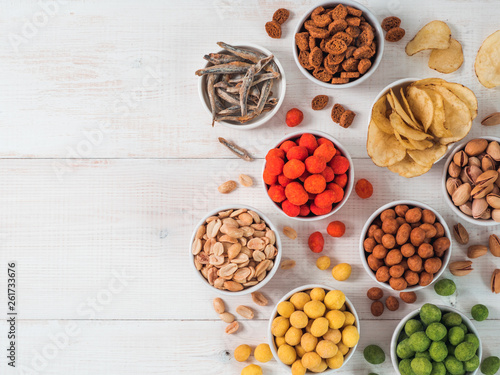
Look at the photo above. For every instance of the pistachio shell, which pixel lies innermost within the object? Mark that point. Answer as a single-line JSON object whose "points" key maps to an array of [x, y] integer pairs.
{"points": [[474, 161], [461, 234], [461, 194], [495, 281], [480, 191], [490, 120], [473, 172], [476, 146], [461, 268], [486, 178], [487, 163], [454, 170], [494, 243], [452, 184], [493, 200], [495, 215], [460, 158], [466, 208], [479, 206], [493, 150]]}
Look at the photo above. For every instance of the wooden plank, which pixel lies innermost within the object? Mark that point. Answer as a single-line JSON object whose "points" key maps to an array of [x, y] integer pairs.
{"points": [[116, 79], [72, 234]]}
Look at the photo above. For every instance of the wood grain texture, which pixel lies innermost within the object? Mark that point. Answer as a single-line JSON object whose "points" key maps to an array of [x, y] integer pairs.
{"points": [[108, 160]]}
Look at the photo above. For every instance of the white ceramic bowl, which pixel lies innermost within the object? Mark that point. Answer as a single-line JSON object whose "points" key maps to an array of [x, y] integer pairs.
{"points": [[270, 274], [286, 297], [379, 39], [447, 197], [347, 189], [278, 89], [439, 218], [396, 86], [445, 309]]}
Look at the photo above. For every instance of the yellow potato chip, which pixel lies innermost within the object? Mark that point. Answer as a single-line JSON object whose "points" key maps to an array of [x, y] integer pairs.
{"points": [[438, 126], [457, 115], [408, 168], [487, 65], [447, 60], [422, 106], [404, 141], [402, 128], [435, 35], [384, 149], [408, 109], [378, 115], [421, 145], [429, 156], [396, 106]]}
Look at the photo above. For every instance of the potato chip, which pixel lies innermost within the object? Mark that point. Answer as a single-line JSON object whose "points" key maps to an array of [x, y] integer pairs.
{"points": [[435, 35], [464, 93], [396, 106], [408, 168], [438, 126], [487, 65], [421, 145], [447, 60], [422, 106], [457, 115], [384, 149], [408, 109], [378, 115], [402, 128], [404, 141], [429, 156]]}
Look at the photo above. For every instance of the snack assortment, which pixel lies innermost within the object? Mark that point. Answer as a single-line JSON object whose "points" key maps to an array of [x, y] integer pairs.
{"points": [[234, 249], [416, 123], [405, 246], [306, 176], [473, 182], [437, 342], [336, 45], [314, 330]]}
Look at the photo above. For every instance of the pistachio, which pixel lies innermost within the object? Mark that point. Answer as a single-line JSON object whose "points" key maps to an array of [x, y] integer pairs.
{"points": [[493, 150], [496, 189], [474, 161], [476, 251], [476, 146], [481, 191], [486, 215], [461, 234], [487, 163], [494, 243], [461, 268], [460, 158], [487, 178], [452, 184], [495, 281], [466, 208], [479, 206], [461, 194], [454, 170], [490, 120], [495, 215], [472, 172]]}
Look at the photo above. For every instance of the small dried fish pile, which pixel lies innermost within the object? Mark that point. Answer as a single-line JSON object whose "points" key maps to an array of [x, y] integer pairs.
{"points": [[239, 83]]}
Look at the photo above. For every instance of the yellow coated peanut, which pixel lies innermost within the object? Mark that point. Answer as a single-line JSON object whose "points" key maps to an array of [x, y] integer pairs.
{"points": [[279, 326], [321, 367], [300, 351], [287, 354], [334, 335], [311, 360], [343, 348], [319, 327], [285, 309], [336, 318], [299, 319], [242, 352], [336, 361], [314, 309], [350, 336], [317, 294], [323, 262], [326, 349], [308, 342], [262, 353], [298, 368], [293, 336], [341, 272], [252, 370], [334, 299], [280, 341], [299, 300], [349, 319]]}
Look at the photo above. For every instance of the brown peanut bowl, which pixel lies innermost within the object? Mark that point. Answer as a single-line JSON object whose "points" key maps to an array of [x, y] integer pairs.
{"points": [[405, 246]]}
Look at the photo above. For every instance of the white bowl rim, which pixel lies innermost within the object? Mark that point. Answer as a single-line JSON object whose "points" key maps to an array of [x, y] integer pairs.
{"points": [[391, 205], [399, 328], [350, 182], [380, 48], [265, 117], [302, 288], [277, 260], [447, 198]]}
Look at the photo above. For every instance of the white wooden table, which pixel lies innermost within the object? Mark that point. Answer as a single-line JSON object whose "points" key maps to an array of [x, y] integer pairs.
{"points": [[108, 160]]}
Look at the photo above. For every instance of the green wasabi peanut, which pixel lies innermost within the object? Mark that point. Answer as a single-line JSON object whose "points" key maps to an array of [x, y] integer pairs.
{"points": [[438, 368], [424, 355], [436, 331], [403, 349], [419, 342], [470, 337], [464, 327], [479, 312], [454, 366], [452, 319], [465, 351], [405, 367], [445, 287], [490, 365], [374, 354], [421, 366], [430, 313], [438, 351], [472, 364], [413, 326], [456, 335]]}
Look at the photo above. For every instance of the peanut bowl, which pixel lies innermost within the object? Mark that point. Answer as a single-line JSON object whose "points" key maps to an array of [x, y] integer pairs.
{"points": [[450, 318], [334, 80], [319, 318], [278, 89], [485, 209], [302, 149], [235, 250], [405, 246]]}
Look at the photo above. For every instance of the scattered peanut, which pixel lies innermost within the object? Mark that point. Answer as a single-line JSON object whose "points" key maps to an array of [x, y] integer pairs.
{"points": [[227, 317], [287, 264], [245, 311], [245, 180], [227, 187], [219, 306], [232, 328], [290, 233], [259, 299]]}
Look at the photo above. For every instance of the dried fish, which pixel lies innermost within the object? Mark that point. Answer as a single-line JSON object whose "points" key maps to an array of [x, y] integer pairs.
{"points": [[224, 95], [229, 68], [238, 151], [247, 54], [211, 95], [258, 78], [245, 88], [222, 58]]}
